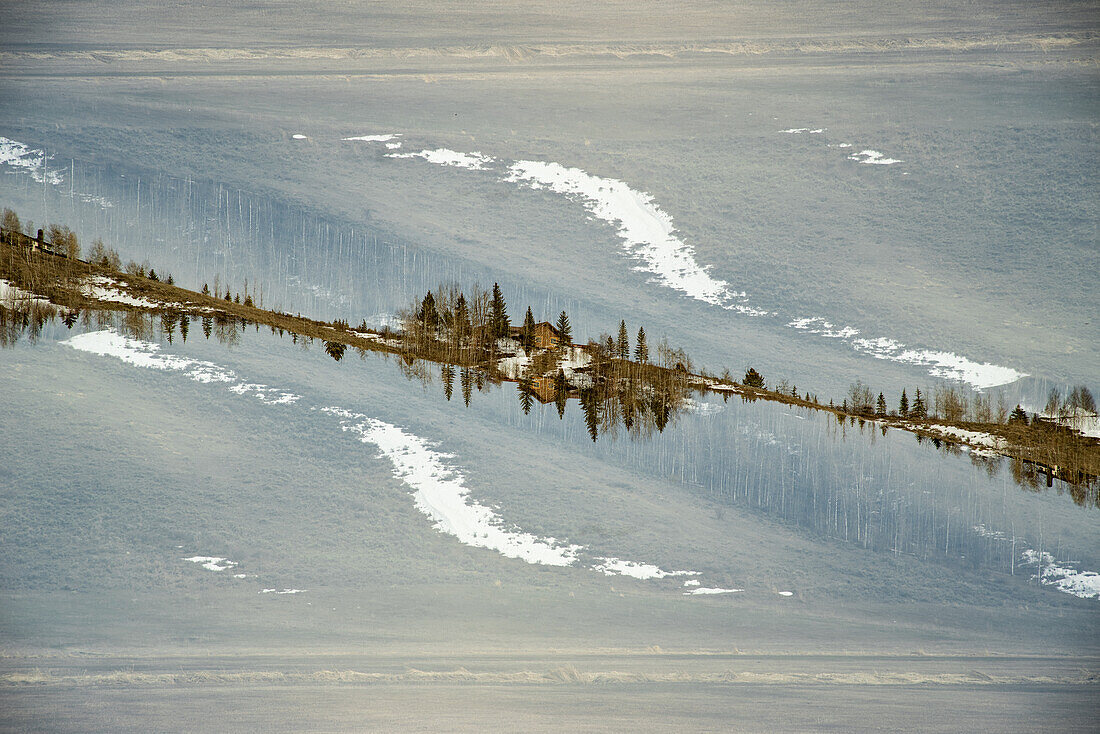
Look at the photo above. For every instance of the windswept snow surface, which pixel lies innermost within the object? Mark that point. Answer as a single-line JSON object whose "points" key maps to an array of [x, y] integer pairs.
{"points": [[710, 590], [439, 488], [31, 160], [474, 161], [801, 130]]}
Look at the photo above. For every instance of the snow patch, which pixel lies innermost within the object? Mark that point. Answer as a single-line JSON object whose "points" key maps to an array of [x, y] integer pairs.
{"points": [[948, 365], [108, 343], [31, 160], [440, 493], [981, 438], [699, 407], [101, 288], [266, 395], [283, 591], [375, 138], [873, 157], [711, 590], [212, 563], [299, 136], [643, 571], [786, 593], [647, 232], [801, 130], [1065, 578], [14, 297], [474, 161]]}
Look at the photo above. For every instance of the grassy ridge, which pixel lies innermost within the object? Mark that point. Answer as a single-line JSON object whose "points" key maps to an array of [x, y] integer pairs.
{"points": [[1041, 451]]}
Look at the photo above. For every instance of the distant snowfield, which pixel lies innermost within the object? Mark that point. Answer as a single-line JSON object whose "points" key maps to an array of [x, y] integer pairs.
{"points": [[439, 488], [649, 237]]}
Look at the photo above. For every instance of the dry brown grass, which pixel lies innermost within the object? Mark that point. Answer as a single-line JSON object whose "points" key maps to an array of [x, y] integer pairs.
{"points": [[1043, 448]]}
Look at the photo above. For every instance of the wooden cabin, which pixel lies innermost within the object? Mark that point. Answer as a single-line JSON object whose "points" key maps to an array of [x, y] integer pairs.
{"points": [[546, 335]]}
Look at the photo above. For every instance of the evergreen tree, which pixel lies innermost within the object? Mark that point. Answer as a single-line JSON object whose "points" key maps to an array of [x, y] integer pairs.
{"points": [[564, 329], [462, 318], [205, 289], [228, 295], [903, 405], [661, 412], [880, 406], [591, 412], [561, 392], [153, 274], [754, 379], [207, 326], [526, 393], [448, 373], [428, 316], [919, 411], [498, 314], [185, 324], [528, 330], [168, 325], [467, 380], [623, 347], [335, 350], [169, 280], [641, 351], [1019, 415]]}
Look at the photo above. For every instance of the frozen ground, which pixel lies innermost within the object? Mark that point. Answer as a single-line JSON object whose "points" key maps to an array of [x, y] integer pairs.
{"points": [[898, 189]]}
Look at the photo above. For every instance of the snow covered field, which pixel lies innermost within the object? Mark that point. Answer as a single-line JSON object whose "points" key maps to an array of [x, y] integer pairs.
{"points": [[901, 193]]}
